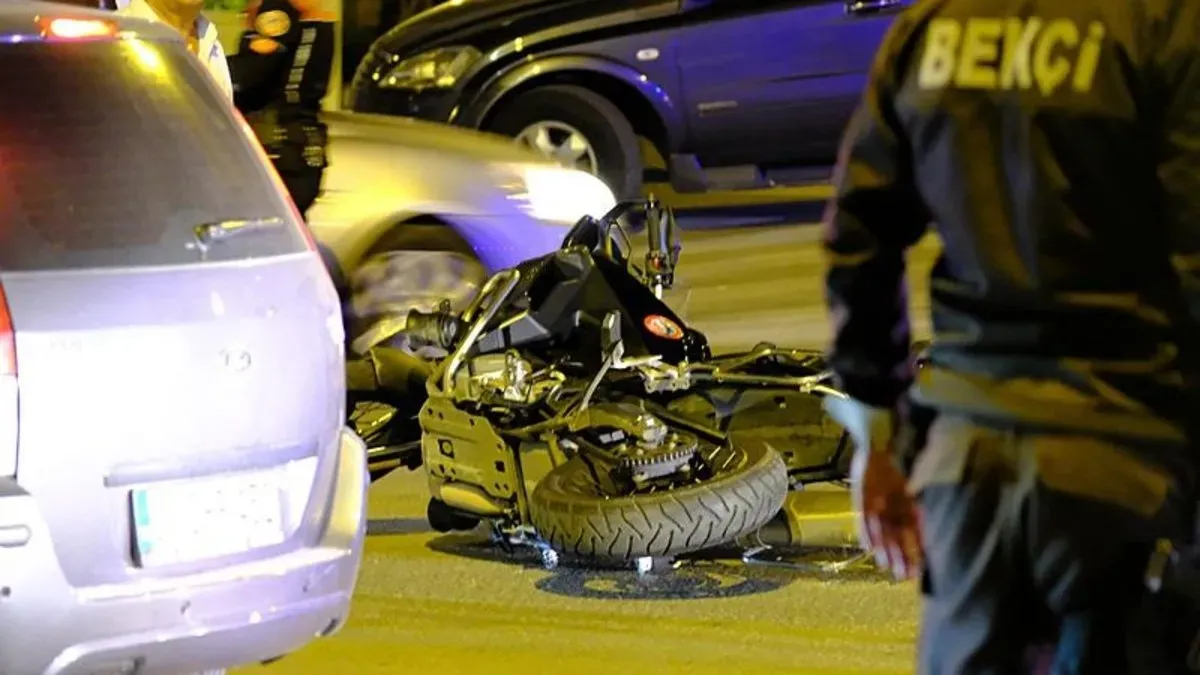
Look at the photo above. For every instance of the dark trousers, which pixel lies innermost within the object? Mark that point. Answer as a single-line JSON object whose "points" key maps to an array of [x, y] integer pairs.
{"points": [[304, 185], [1036, 538]]}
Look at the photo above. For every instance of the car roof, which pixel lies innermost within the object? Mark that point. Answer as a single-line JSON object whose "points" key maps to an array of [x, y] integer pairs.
{"points": [[19, 18]]}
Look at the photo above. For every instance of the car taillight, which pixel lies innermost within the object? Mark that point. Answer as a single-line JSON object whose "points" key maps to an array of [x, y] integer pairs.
{"points": [[8, 343], [8, 391]]}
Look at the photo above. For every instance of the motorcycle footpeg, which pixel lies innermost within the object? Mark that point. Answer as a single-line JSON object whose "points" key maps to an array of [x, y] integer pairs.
{"points": [[655, 565]]}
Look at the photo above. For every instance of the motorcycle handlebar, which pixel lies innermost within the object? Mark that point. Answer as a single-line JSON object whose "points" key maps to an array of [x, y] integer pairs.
{"points": [[482, 310], [663, 246], [437, 329]]}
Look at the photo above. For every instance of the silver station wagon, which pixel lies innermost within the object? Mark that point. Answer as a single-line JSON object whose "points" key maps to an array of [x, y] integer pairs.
{"points": [[178, 493]]}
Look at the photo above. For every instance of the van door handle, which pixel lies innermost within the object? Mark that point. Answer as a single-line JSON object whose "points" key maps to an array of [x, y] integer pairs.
{"points": [[869, 6]]}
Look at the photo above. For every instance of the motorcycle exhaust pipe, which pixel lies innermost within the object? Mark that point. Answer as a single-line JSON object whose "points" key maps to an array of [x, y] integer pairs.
{"points": [[469, 499]]}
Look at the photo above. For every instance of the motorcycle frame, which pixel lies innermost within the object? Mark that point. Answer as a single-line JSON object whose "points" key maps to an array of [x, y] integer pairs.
{"points": [[832, 471], [497, 464], [718, 371]]}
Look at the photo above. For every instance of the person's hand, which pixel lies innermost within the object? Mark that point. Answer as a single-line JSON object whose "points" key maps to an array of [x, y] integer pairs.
{"points": [[889, 523], [250, 14]]}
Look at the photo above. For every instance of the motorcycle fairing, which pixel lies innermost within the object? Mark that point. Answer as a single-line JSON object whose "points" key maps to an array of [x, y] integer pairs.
{"points": [[561, 303]]}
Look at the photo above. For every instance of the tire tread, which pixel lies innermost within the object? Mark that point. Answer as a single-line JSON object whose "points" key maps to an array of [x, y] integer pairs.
{"points": [[662, 524], [618, 140]]}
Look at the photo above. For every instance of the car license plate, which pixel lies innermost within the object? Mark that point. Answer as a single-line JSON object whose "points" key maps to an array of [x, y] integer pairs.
{"points": [[193, 520]]}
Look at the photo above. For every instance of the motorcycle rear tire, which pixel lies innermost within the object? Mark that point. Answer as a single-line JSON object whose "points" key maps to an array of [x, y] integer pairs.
{"points": [[658, 524]]}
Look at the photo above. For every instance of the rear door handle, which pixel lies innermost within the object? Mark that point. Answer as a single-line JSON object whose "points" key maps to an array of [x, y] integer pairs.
{"points": [[870, 6]]}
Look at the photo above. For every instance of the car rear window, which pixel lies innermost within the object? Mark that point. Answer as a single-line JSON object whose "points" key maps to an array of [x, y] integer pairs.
{"points": [[111, 153]]}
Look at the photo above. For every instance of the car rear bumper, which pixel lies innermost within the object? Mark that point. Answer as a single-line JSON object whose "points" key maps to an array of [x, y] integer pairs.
{"points": [[241, 614]]}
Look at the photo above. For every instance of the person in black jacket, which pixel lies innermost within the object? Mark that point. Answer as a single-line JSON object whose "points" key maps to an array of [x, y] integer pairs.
{"points": [[1054, 147], [280, 74]]}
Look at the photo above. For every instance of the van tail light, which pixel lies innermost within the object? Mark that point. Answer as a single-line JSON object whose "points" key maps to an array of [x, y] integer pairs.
{"points": [[77, 29], [8, 341], [8, 391]]}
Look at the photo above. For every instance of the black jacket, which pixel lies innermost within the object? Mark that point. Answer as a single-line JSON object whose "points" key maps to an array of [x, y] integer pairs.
{"points": [[280, 74], [1054, 146]]}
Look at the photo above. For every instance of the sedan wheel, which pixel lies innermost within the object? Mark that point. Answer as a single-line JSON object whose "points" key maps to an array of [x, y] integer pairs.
{"points": [[578, 128], [390, 284], [562, 143]]}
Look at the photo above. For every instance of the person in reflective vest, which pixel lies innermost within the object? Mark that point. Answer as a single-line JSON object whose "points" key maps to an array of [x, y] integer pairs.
{"points": [[200, 33], [280, 74]]}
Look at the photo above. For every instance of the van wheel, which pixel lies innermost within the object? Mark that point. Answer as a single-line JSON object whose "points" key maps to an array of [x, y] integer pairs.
{"points": [[579, 129], [415, 266]]}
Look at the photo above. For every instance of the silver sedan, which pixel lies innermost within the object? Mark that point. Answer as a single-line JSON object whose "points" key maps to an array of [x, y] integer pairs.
{"points": [[417, 213]]}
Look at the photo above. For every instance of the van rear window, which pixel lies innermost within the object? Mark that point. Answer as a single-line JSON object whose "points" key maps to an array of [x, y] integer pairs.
{"points": [[112, 153]]}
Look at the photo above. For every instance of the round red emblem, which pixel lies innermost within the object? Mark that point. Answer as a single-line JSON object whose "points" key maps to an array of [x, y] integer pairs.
{"points": [[663, 327]]}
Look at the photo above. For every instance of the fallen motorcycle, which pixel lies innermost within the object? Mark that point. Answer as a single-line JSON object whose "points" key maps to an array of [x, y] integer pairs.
{"points": [[578, 414]]}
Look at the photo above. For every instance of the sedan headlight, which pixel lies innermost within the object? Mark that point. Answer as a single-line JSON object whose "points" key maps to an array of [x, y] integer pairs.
{"points": [[557, 194], [434, 69]]}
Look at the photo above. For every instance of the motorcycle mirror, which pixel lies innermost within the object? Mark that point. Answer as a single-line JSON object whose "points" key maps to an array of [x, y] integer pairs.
{"points": [[584, 232], [671, 236], [662, 253], [588, 229], [610, 331], [656, 228]]}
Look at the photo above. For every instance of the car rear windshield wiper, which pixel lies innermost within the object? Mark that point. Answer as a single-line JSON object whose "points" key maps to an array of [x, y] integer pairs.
{"points": [[207, 233]]}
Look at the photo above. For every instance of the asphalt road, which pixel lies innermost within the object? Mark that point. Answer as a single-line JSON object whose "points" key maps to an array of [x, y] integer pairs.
{"points": [[744, 286], [430, 603]]}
